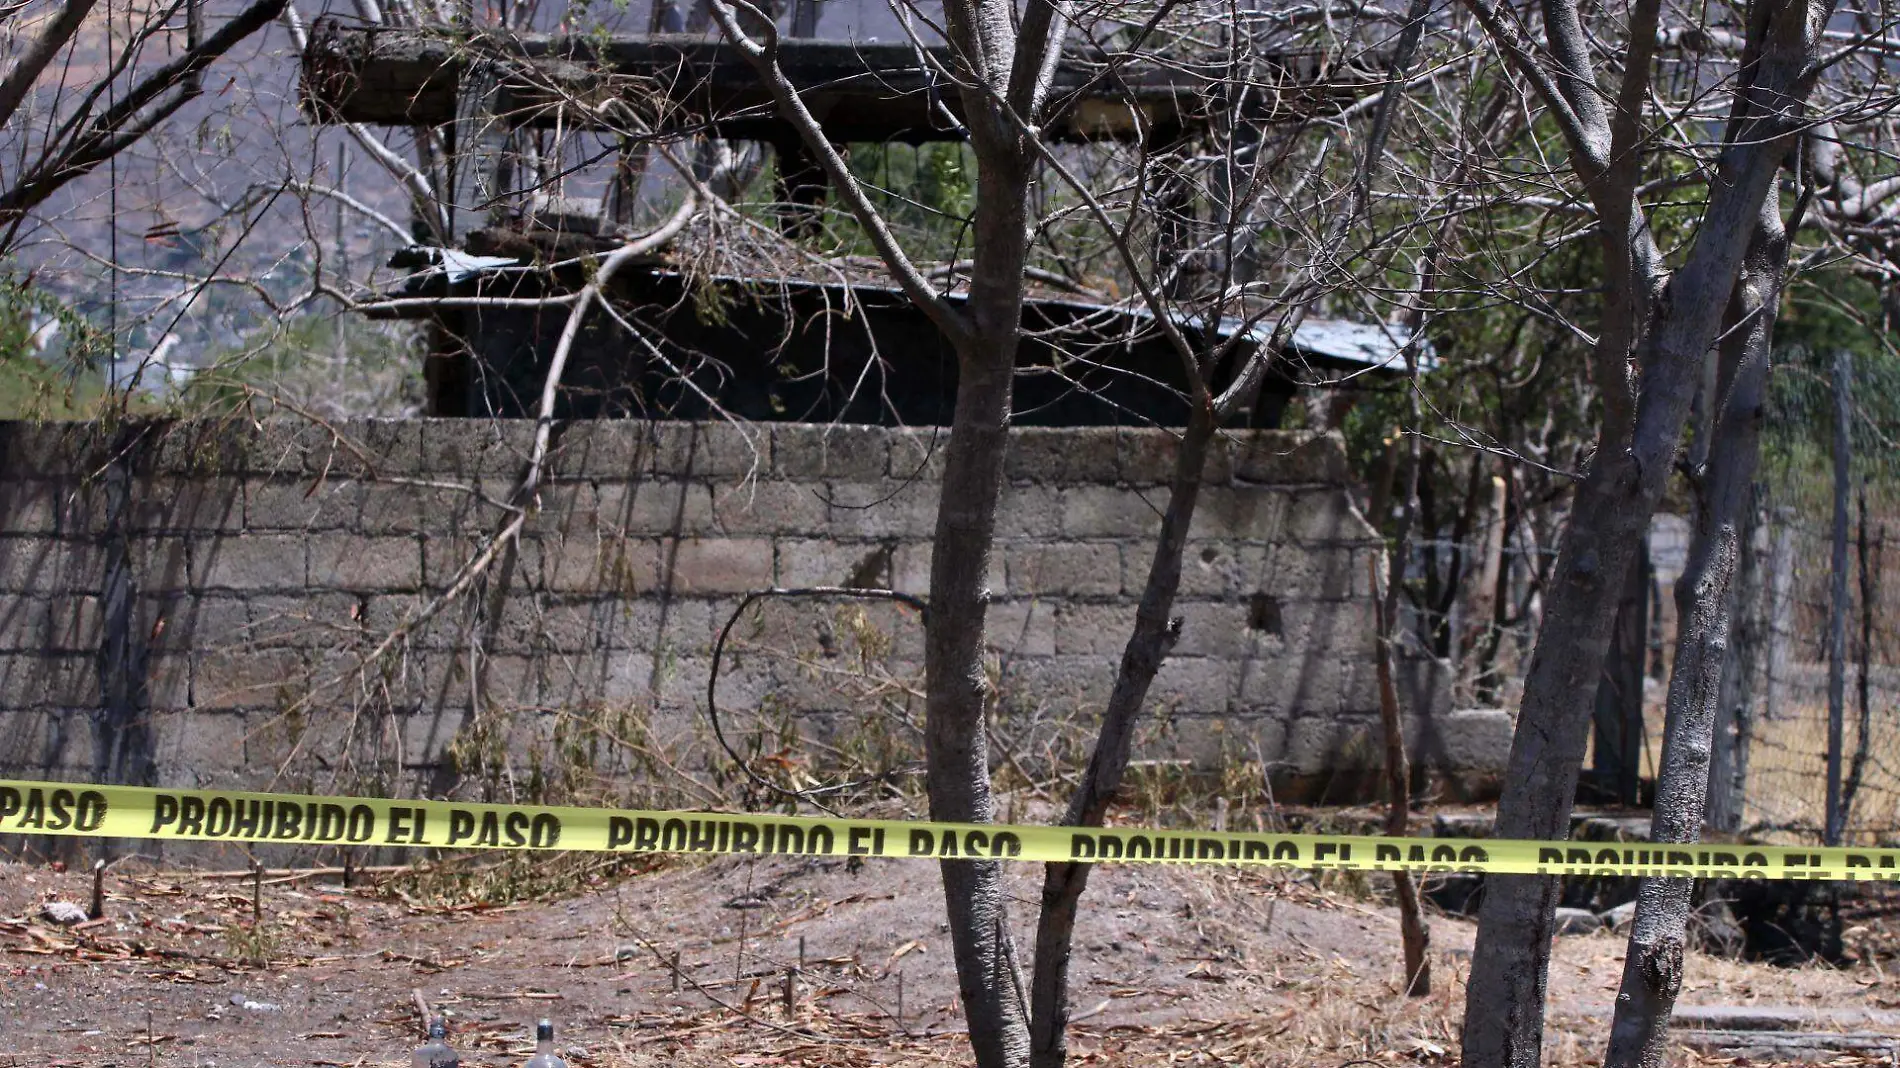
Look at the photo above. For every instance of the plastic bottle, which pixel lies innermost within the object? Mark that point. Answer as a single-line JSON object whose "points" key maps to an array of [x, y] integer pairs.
{"points": [[436, 1053], [544, 1056]]}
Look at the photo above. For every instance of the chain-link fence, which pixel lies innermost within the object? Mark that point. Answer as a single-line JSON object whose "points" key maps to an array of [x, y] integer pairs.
{"points": [[1475, 582], [1816, 645]]}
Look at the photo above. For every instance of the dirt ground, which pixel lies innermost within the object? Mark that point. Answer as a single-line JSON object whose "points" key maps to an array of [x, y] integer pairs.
{"points": [[1174, 965]]}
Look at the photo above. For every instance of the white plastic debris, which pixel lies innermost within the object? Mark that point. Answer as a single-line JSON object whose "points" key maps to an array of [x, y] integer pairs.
{"points": [[63, 913]]}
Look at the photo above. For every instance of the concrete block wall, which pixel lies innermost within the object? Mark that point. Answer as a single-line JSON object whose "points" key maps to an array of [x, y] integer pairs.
{"points": [[259, 563]]}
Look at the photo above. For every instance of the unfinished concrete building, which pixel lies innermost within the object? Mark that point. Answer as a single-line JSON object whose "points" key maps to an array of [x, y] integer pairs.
{"points": [[192, 604]]}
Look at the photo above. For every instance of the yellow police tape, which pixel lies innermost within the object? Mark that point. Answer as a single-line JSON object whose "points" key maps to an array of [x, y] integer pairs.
{"points": [[48, 808]]}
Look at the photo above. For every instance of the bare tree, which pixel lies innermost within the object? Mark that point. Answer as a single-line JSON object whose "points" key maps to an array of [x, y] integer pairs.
{"points": [[1003, 71], [62, 126], [1656, 324]]}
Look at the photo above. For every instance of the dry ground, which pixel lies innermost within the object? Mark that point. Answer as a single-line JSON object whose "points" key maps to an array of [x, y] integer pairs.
{"points": [[1175, 965]]}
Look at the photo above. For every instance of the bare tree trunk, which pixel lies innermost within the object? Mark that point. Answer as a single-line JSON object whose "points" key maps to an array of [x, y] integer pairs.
{"points": [[1414, 934], [1616, 763], [1652, 969], [1837, 598], [1610, 513], [956, 742], [1734, 725], [1609, 518], [1153, 637]]}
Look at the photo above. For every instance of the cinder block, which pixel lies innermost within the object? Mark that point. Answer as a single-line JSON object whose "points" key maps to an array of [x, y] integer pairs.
{"points": [[353, 448], [1465, 739], [579, 684], [885, 508], [823, 562], [444, 556], [1192, 684], [813, 452], [249, 562], [279, 504], [476, 448], [160, 564], [507, 681], [1317, 744], [27, 625], [917, 453], [314, 620], [680, 682], [357, 563], [1071, 569], [1287, 569], [1223, 741], [626, 567], [567, 509], [40, 742], [1147, 457], [38, 680], [186, 506], [196, 448], [664, 626], [1110, 512], [533, 625], [200, 740], [708, 450], [168, 681], [55, 450], [34, 507], [1290, 457], [1065, 455], [1020, 628], [1061, 683], [1092, 629], [1222, 629], [1030, 510], [374, 448], [700, 566], [1328, 517], [181, 622], [655, 508], [1242, 513], [425, 736], [248, 678], [49, 566], [774, 506], [1347, 628], [370, 507], [1424, 685]]}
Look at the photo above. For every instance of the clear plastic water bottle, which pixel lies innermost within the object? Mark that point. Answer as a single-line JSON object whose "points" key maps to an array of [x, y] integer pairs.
{"points": [[544, 1056], [436, 1053]]}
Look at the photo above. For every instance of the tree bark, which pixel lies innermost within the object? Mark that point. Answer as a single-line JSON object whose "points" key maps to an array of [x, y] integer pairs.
{"points": [[1415, 935], [1617, 760], [1148, 645], [1734, 724], [1652, 970], [956, 741], [1609, 517]]}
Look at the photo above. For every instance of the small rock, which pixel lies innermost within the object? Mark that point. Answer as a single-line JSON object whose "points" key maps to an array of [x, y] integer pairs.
{"points": [[1621, 916], [1577, 922], [63, 913]]}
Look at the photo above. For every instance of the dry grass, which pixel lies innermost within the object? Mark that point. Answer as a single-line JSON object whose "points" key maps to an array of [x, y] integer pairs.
{"points": [[1788, 766]]}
